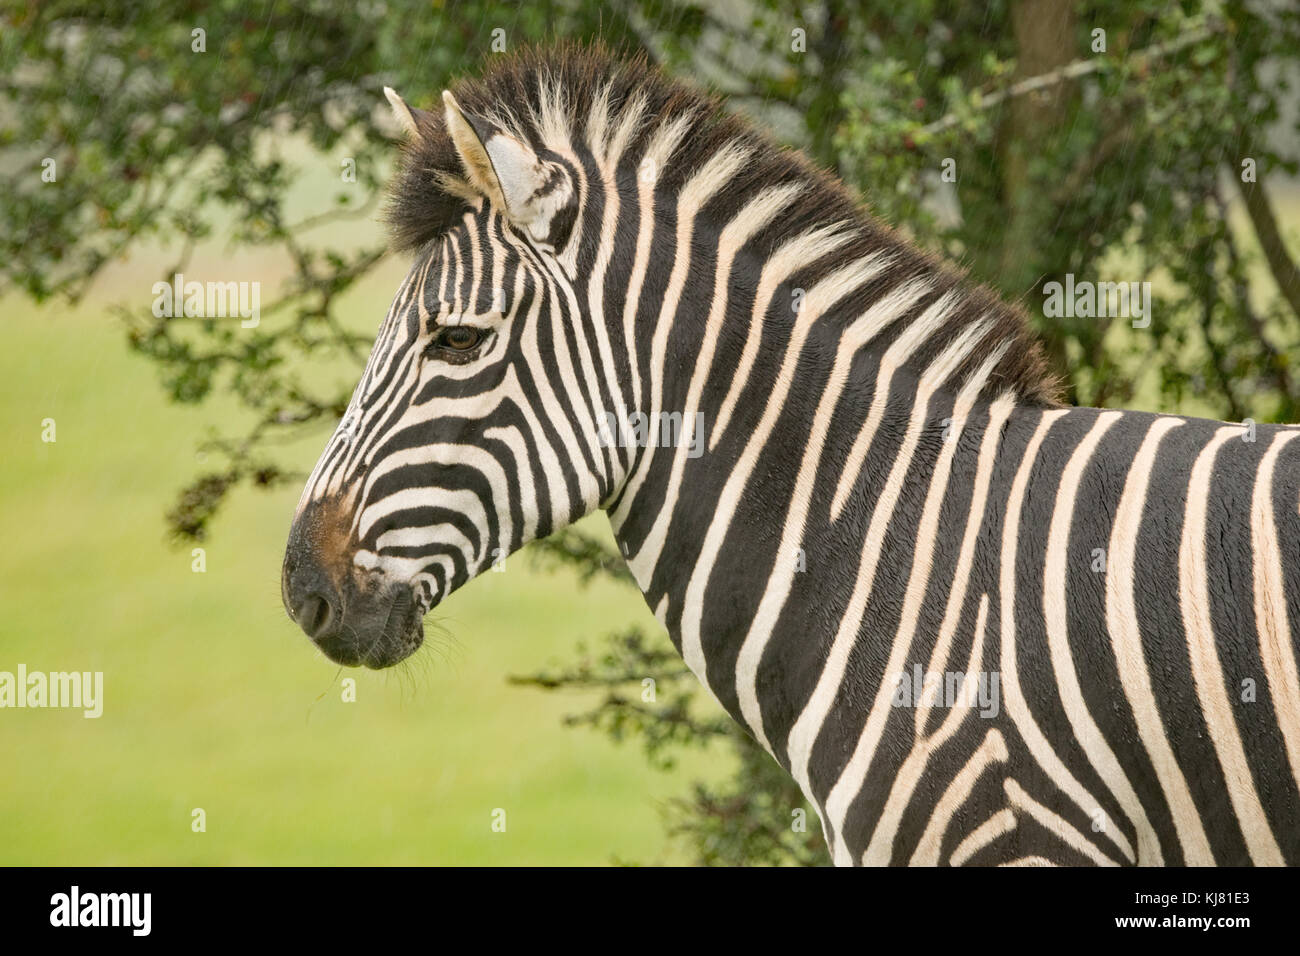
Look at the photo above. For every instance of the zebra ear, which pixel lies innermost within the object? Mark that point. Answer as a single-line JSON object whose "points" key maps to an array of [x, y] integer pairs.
{"points": [[407, 117], [527, 188]]}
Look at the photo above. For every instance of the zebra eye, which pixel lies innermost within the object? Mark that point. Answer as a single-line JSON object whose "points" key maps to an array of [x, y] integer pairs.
{"points": [[458, 338]]}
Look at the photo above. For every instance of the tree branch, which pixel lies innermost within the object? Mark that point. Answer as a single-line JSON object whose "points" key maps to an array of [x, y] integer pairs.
{"points": [[1279, 260], [1078, 68]]}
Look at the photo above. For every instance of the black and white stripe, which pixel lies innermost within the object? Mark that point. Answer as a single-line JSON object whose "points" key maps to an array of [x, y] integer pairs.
{"points": [[887, 482]]}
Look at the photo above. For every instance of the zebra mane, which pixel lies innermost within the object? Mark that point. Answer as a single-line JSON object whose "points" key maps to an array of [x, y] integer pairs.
{"points": [[581, 93]]}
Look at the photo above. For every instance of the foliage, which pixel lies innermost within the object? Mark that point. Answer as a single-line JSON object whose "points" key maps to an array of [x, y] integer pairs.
{"points": [[757, 815], [1119, 164], [1132, 155]]}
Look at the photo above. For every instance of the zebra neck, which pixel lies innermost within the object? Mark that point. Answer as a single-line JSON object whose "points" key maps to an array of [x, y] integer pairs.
{"points": [[777, 373], [793, 462]]}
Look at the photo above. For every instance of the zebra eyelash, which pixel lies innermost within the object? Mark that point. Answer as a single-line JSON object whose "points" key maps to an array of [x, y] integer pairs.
{"points": [[439, 348]]}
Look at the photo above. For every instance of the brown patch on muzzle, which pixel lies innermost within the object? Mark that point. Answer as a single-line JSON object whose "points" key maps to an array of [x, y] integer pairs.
{"points": [[354, 617], [321, 537]]}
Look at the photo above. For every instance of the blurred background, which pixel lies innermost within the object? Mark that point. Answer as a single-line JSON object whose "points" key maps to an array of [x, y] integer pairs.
{"points": [[151, 464]]}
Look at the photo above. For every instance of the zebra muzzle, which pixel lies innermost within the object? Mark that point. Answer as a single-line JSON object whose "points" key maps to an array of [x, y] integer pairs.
{"points": [[356, 618]]}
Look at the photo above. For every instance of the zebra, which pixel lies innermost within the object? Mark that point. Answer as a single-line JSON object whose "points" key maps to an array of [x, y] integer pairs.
{"points": [[975, 625]]}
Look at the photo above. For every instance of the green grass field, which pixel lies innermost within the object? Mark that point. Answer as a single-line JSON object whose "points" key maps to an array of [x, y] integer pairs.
{"points": [[214, 700]]}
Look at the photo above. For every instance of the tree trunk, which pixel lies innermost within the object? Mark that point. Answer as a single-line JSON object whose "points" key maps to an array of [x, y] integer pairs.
{"points": [[1045, 41]]}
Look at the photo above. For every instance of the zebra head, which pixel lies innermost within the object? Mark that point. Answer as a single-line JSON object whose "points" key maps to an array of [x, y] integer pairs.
{"points": [[449, 455]]}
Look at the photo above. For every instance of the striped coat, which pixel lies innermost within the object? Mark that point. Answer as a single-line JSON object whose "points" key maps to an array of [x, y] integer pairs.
{"points": [[975, 626]]}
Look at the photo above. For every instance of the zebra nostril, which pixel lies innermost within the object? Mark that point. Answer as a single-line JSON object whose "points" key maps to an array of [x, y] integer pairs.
{"points": [[316, 615]]}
